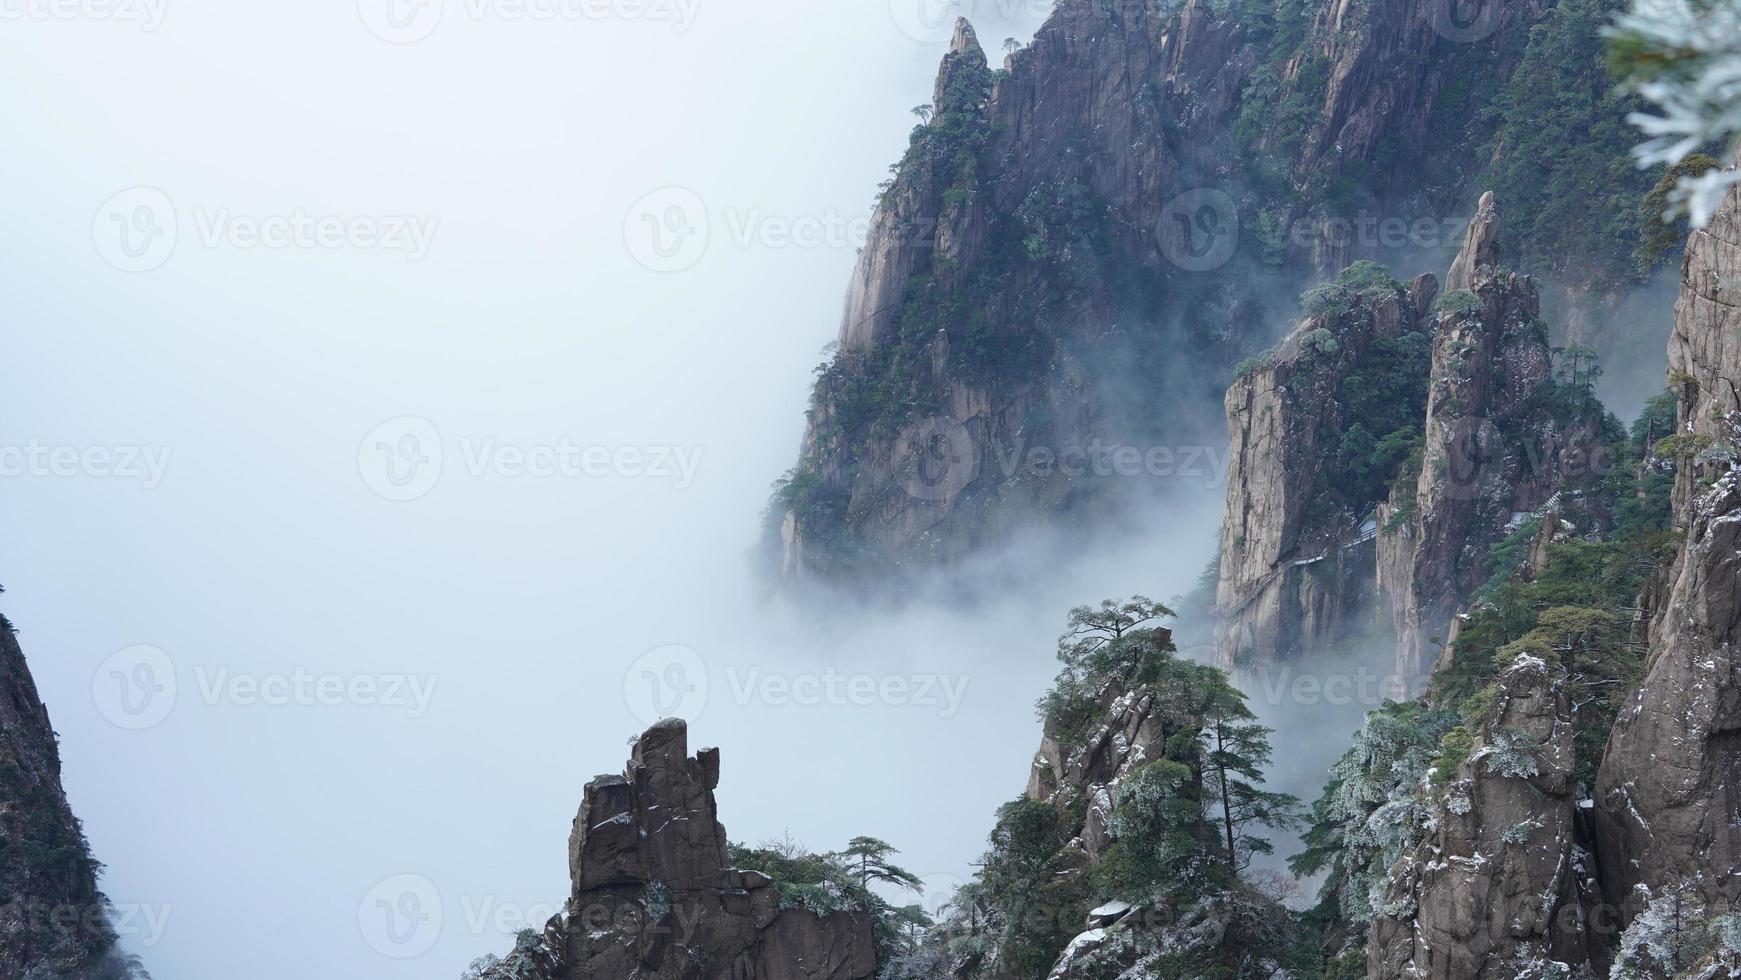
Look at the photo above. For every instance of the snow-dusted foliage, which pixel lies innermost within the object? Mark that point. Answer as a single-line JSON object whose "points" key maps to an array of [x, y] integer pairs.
{"points": [[1677, 937], [1513, 754], [656, 900], [924, 963], [1686, 59], [1518, 834], [1533, 963], [1371, 808], [526, 962]]}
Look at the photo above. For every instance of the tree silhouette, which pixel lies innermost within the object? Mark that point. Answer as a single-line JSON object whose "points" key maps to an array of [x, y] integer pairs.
{"points": [[1236, 750], [868, 858]]}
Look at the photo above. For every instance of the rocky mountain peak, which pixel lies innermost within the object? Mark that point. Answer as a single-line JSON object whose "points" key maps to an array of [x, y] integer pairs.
{"points": [[1297, 553], [653, 894], [1076, 226], [965, 56], [964, 40]]}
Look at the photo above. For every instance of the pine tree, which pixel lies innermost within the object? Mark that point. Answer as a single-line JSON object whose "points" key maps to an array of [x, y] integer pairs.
{"points": [[1236, 750], [868, 858], [1682, 55], [1113, 639]]}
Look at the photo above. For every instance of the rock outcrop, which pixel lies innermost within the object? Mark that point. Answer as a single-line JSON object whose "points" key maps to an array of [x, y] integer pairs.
{"points": [[1496, 447], [1669, 793], [653, 895], [1296, 553], [1502, 882], [1479, 256], [1511, 874], [1079, 775], [54, 922]]}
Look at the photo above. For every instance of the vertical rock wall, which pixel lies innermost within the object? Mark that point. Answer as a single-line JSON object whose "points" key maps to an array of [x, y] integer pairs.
{"points": [[1294, 571], [1669, 793], [1501, 884], [1493, 450]]}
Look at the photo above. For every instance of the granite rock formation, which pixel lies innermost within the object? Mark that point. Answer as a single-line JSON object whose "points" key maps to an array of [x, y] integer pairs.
{"points": [[653, 896], [1504, 879], [1495, 451], [1065, 258], [1296, 564], [1669, 793]]}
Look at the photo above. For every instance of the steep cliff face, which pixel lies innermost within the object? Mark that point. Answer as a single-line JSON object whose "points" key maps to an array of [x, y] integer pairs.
{"points": [[1077, 247], [1669, 794], [1352, 465], [1296, 531], [1499, 444], [1499, 881], [1511, 872], [995, 282], [54, 923], [653, 895]]}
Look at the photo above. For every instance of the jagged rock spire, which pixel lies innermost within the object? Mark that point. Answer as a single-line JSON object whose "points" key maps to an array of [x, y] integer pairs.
{"points": [[965, 41], [964, 49], [654, 895], [1480, 247]]}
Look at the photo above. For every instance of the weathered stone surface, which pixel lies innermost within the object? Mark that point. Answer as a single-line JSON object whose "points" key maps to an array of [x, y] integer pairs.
{"points": [[1503, 879], [1479, 256], [653, 897], [1133, 730], [654, 823], [1493, 451], [1080, 774], [1669, 792], [1294, 574]]}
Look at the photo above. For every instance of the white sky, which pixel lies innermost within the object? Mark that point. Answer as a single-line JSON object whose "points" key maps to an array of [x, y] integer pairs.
{"points": [[257, 833]]}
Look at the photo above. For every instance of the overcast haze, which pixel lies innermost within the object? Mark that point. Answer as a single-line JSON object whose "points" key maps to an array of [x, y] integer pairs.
{"points": [[253, 250]]}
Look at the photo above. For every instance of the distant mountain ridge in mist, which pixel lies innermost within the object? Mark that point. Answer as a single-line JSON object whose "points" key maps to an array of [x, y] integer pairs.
{"points": [[1078, 247]]}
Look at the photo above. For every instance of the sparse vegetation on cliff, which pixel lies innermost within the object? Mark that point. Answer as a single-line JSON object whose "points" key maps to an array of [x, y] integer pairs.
{"points": [[1162, 862]]}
